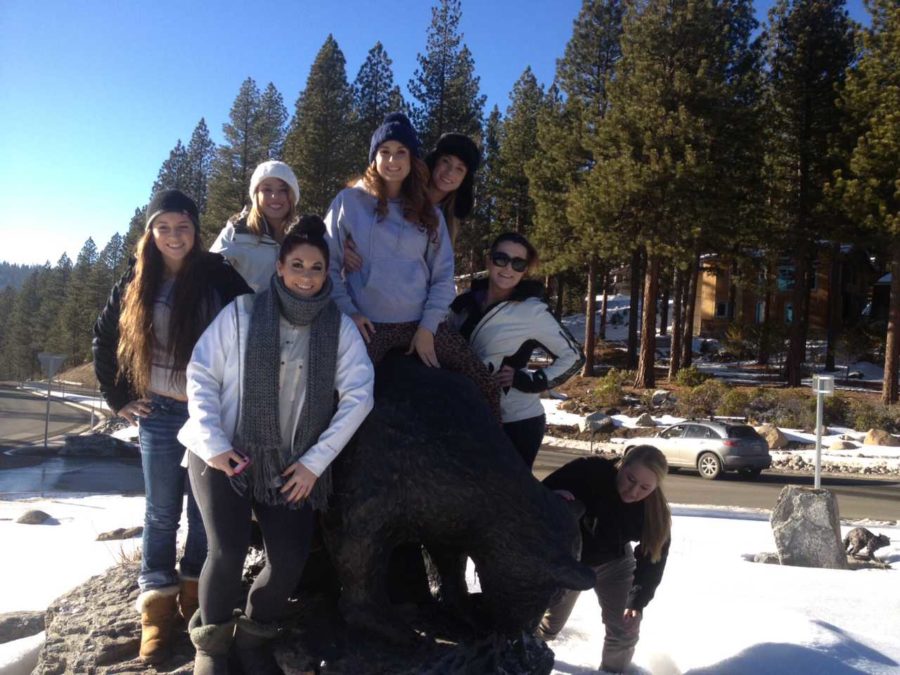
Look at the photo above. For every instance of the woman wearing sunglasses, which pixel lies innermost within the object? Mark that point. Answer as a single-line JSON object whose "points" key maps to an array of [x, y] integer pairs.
{"points": [[505, 319]]}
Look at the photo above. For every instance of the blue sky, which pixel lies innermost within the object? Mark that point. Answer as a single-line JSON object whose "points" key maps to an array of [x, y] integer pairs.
{"points": [[94, 94]]}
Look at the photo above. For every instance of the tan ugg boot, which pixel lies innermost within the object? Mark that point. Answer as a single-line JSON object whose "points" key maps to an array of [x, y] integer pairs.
{"points": [[158, 608], [188, 598]]}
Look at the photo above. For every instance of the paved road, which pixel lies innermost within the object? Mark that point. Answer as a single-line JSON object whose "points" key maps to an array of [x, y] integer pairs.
{"points": [[858, 498], [22, 417]]}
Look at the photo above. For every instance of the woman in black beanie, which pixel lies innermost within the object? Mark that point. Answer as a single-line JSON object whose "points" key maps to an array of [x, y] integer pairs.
{"points": [[453, 164]]}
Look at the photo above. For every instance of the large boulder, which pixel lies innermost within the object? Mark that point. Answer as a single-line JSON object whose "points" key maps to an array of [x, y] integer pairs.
{"points": [[597, 422], [842, 444], [880, 437], [18, 625], [645, 420], [431, 465], [773, 436], [807, 528]]}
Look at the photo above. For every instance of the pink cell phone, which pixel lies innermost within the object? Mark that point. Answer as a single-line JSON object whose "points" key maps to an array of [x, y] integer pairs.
{"points": [[238, 467]]}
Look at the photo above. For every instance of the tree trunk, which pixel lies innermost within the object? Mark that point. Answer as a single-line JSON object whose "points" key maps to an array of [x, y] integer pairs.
{"points": [[687, 340], [560, 288], [589, 316], [603, 303], [677, 320], [633, 314], [889, 390], [646, 377], [792, 365], [832, 312], [763, 353], [664, 302]]}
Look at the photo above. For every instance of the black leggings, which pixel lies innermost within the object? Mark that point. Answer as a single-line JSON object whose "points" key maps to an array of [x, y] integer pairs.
{"points": [[527, 436], [226, 517]]}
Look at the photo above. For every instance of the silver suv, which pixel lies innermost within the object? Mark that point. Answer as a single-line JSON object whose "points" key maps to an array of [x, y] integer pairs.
{"points": [[710, 447]]}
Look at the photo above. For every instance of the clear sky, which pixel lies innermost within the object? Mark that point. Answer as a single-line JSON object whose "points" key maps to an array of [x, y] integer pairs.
{"points": [[95, 93]]}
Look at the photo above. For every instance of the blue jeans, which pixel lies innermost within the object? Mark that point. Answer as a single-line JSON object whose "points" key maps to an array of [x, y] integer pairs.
{"points": [[164, 486]]}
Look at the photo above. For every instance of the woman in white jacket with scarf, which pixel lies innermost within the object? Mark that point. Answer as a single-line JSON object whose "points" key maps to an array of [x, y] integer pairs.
{"points": [[262, 433], [505, 319]]}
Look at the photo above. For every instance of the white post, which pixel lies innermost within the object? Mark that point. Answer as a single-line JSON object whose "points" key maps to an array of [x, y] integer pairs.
{"points": [[820, 400]]}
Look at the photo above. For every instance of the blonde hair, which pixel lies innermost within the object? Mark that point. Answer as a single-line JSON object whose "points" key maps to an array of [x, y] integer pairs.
{"points": [[256, 221], [417, 208], [657, 515]]}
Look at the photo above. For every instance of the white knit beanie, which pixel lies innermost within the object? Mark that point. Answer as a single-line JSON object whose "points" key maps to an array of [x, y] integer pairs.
{"points": [[275, 169]]}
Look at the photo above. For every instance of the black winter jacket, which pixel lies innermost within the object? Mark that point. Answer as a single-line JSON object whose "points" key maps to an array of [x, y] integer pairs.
{"points": [[224, 281], [608, 523]]}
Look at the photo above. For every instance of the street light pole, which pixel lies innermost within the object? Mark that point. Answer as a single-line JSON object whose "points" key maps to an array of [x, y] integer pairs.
{"points": [[823, 385]]}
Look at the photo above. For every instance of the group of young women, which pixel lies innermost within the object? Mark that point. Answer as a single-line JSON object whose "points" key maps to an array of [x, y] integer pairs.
{"points": [[257, 358]]}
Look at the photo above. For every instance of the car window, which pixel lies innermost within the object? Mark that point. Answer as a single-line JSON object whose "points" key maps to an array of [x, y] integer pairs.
{"points": [[673, 432], [696, 431], [742, 431]]}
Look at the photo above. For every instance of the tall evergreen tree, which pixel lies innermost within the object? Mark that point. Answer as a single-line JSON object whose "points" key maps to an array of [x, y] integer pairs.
{"points": [[317, 144], [21, 348], [7, 303], [135, 230], [79, 309], [174, 174], [270, 124], [445, 85], [515, 207], [809, 47], [868, 186], [200, 154], [474, 237], [374, 96], [235, 159]]}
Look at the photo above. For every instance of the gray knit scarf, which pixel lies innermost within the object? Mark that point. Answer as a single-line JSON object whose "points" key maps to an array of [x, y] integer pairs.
{"points": [[259, 431]]}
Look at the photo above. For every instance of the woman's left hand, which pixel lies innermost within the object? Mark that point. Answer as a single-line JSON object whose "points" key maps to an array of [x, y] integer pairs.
{"points": [[423, 345], [632, 619], [299, 482], [504, 377]]}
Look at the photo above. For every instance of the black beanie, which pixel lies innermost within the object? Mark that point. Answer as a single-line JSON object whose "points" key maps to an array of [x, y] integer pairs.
{"points": [[173, 201], [459, 145], [396, 127]]}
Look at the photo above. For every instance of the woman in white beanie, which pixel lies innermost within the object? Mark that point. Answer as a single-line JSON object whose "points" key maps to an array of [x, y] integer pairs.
{"points": [[251, 239]]}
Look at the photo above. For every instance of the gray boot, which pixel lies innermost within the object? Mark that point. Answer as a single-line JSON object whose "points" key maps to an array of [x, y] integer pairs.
{"points": [[253, 644], [213, 643]]}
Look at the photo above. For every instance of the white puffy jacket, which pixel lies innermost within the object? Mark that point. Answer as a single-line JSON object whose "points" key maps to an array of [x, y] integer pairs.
{"points": [[251, 255], [214, 381]]}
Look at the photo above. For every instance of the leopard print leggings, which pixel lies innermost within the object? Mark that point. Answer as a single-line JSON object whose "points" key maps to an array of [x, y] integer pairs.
{"points": [[451, 348]]}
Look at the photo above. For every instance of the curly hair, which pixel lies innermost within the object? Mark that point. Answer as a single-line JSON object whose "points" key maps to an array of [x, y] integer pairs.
{"points": [[417, 208]]}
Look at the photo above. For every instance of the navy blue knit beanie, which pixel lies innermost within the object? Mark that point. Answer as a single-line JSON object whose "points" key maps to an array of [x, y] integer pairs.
{"points": [[173, 201], [396, 127]]}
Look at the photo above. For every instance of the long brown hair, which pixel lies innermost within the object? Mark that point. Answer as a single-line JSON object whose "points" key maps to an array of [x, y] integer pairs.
{"points": [[417, 208], [190, 313], [448, 208], [657, 515]]}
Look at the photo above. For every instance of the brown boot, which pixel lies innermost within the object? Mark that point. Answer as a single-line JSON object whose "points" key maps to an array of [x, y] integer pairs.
{"points": [[188, 599], [158, 609]]}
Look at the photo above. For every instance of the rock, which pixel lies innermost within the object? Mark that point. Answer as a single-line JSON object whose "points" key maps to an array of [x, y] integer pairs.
{"points": [[645, 420], [880, 437], [773, 436], [18, 625], [659, 397], [97, 445], [841, 444], [806, 524], [595, 422], [413, 476], [121, 533], [767, 558], [33, 517]]}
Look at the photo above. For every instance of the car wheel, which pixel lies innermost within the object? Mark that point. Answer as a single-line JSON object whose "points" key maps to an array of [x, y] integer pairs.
{"points": [[709, 466], [752, 474]]}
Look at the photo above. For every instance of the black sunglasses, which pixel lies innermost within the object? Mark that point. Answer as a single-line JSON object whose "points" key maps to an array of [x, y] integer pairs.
{"points": [[501, 259]]}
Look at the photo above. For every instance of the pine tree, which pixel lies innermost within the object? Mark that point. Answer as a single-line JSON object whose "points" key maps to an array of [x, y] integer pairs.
{"points": [[53, 297], [445, 85], [78, 311], [319, 144], [235, 160], [474, 238], [809, 46], [270, 123], [135, 231], [868, 186], [21, 348], [200, 154], [7, 302], [374, 96], [174, 174], [515, 208]]}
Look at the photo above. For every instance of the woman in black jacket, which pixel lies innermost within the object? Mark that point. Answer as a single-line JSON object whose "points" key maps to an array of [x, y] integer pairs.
{"points": [[623, 502], [143, 341]]}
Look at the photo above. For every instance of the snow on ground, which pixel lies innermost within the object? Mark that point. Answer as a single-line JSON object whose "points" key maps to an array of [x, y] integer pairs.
{"points": [[862, 456], [714, 612]]}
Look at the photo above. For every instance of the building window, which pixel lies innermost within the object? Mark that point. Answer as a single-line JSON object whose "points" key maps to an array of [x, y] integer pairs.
{"points": [[787, 277], [789, 312], [760, 311], [722, 310]]}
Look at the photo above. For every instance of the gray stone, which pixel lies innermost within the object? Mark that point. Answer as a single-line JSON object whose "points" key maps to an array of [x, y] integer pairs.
{"points": [[33, 517], [645, 420], [659, 397], [18, 625], [806, 524], [595, 422], [121, 533], [767, 558], [880, 437], [773, 436], [97, 445], [841, 444]]}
